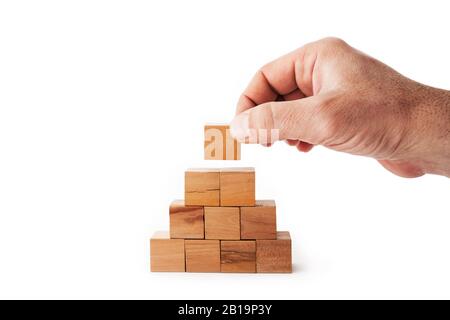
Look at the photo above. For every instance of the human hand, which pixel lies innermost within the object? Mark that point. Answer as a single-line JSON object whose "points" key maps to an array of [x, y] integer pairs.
{"points": [[328, 93]]}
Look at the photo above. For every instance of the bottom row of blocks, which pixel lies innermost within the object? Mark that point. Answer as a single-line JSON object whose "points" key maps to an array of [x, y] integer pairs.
{"points": [[179, 255]]}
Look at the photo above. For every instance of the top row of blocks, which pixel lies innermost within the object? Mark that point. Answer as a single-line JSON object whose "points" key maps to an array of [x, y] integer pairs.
{"points": [[220, 187]]}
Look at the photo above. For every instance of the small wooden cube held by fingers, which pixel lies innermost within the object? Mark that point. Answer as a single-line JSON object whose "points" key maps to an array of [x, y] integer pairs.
{"points": [[219, 144]]}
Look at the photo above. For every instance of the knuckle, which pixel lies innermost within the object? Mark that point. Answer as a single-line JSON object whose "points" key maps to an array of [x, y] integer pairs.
{"points": [[333, 41]]}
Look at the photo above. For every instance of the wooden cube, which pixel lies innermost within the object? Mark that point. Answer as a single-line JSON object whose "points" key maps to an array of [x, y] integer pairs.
{"points": [[186, 222], [202, 187], [260, 221], [238, 256], [237, 187], [166, 254], [274, 256], [222, 223], [219, 145], [202, 255]]}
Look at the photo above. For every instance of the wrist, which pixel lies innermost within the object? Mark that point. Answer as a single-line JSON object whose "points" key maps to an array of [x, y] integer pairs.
{"points": [[430, 121]]}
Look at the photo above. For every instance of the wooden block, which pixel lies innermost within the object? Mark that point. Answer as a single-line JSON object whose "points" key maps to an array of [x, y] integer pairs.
{"points": [[274, 256], [219, 145], [202, 255], [222, 223], [186, 222], [238, 256], [202, 187], [166, 254], [260, 221], [237, 187]]}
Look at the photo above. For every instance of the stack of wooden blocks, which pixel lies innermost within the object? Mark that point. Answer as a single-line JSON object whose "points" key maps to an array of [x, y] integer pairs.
{"points": [[220, 227]]}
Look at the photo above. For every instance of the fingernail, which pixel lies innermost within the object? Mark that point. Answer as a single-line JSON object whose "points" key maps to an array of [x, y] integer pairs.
{"points": [[239, 127]]}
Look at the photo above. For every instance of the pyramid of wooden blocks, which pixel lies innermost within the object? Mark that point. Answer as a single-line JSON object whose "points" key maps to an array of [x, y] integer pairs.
{"points": [[220, 227]]}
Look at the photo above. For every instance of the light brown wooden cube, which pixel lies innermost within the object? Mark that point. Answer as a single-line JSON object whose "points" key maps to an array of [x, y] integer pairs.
{"points": [[237, 187], [219, 145], [238, 256], [202, 255], [274, 256], [222, 223], [260, 221], [202, 187], [166, 254], [186, 222]]}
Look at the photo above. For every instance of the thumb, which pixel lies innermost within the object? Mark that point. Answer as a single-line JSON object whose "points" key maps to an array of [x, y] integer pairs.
{"points": [[272, 121]]}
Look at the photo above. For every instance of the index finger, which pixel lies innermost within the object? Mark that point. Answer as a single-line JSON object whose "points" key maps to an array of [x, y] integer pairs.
{"points": [[275, 79]]}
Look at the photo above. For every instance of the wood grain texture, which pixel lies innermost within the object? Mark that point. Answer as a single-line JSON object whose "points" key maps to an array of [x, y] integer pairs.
{"points": [[219, 145], [186, 222], [222, 223], [274, 256], [166, 255], [202, 255], [237, 187], [260, 221], [238, 256], [202, 187]]}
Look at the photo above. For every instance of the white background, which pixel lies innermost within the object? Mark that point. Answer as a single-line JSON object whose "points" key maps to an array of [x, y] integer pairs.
{"points": [[102, 106]]}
